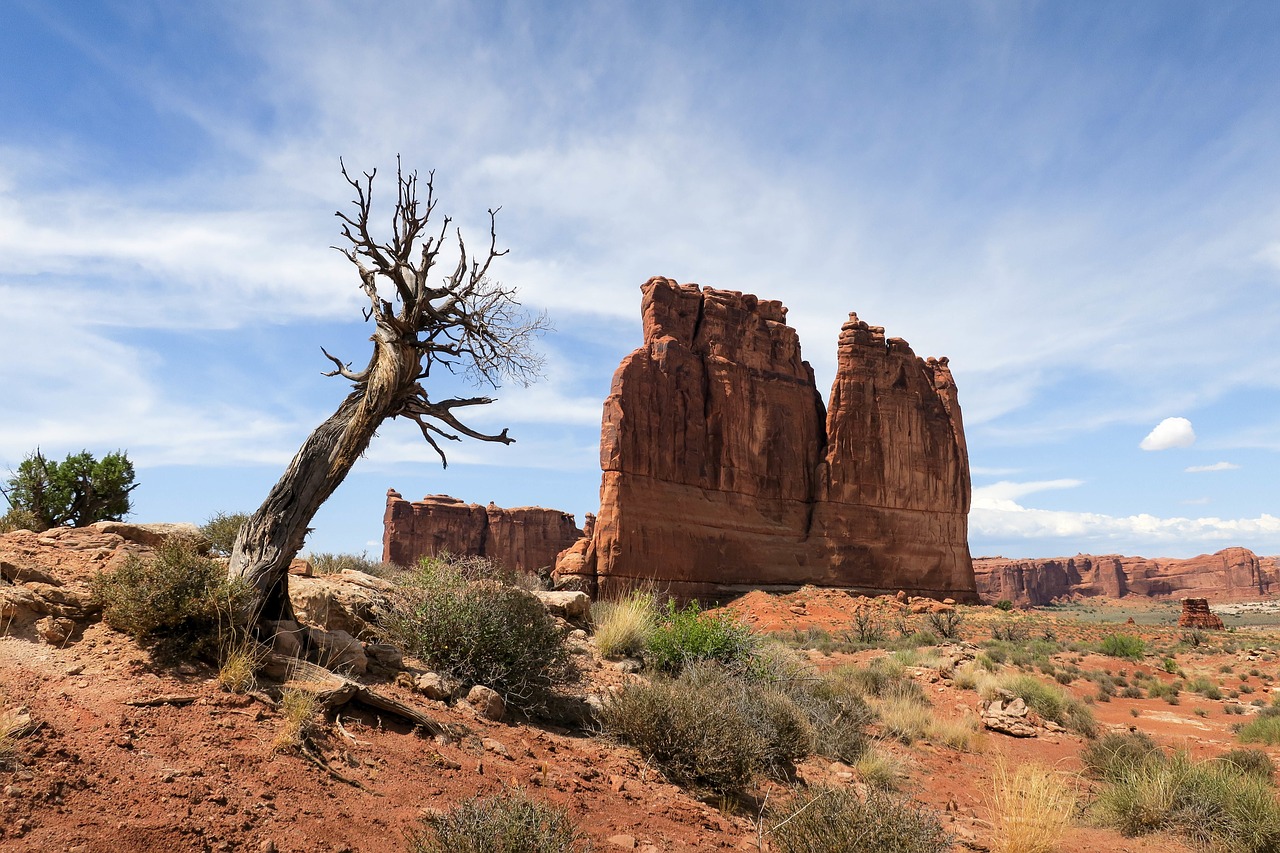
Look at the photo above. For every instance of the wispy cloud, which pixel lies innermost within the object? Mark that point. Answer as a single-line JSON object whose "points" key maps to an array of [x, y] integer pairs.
{"points": [[1217, 466]]}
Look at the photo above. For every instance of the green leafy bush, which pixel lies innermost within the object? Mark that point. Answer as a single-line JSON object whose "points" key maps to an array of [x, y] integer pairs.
{"points": [[1004, 604], [689, 636], [77, 491], [221, 530], [708, 728], [479, 632], [1123, 646], [177, 601], [837, 820], [510, 822]]}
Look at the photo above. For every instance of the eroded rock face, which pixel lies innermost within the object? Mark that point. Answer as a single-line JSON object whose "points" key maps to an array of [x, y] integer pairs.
{"points": [[523, 539], [1196, 614], [723, 471], [1229, 574]]}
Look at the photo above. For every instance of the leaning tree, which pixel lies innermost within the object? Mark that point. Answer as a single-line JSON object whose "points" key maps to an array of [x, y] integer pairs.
{"points": [[466, 322]]}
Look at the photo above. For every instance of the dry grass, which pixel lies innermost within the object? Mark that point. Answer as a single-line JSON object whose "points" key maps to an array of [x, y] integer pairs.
{"points": [[880, 769], [624, 627], [971, 676], [1031, 808], [299, 708], [963, 734], [904, 719], [239, 668], [14, 723]]}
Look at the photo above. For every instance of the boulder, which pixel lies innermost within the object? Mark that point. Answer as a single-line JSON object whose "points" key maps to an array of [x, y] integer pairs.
{"points": [[346, 601], [487, 702], [567, 604], [723, 470], [338, 651], [1196, 614], [1008, 716]]}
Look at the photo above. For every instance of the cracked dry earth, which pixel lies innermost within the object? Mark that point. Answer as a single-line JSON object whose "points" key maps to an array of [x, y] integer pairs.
{"points": [[128, 757]]}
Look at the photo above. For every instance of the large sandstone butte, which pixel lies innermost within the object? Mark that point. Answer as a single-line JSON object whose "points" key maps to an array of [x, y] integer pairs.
{"points": [[1229, 574], [724, 472], [524, 539]]}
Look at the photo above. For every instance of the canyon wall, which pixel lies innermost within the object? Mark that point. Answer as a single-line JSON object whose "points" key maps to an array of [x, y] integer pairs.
{"points": [[723, 471], [523, 539], [1229, 574]]}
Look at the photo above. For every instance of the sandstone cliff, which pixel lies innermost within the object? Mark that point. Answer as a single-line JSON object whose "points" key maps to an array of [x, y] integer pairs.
{"points": [[523, 539], [1232, 573], [723, 471]]}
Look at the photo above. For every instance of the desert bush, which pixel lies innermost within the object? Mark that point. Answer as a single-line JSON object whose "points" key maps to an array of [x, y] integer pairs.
{"points": [[1004, 604], [77, 491], [880, 769], [221, 530], [1263, 729], [837, 712], [904, 719], [1116, 754], [510, 822], [176, 601], [686, 636], [325, 563], [883, 678], [1031, 808], [1010, 632], [1251, 762], [19, 519], [623, 627], [478, 632], [298, 708], [1050, 702], [1123, 646], [1211, 803], [708, 728], [867, 628], [945, 625], [837, 820]]}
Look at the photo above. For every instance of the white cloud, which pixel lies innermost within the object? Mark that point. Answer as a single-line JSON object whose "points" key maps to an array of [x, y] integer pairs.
{"points": [[1004, 493], [1170, 432], [1217, 466]]}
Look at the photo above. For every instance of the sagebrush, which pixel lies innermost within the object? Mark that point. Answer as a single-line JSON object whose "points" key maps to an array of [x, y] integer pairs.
{"points": [[509, 822], [838, 820]]}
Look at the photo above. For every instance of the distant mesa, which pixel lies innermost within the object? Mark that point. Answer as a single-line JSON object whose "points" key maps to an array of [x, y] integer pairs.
{"points": [[525, 539], [723, 471], [1232, 574]]}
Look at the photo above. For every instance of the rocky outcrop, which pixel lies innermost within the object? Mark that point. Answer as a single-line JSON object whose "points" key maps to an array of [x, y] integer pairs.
{"points": [[1196, 614], [723, 471], [1229, 574], [522, 539]]}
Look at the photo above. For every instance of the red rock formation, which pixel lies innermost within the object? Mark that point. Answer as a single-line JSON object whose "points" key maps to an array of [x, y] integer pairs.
{"points": [[1233, 573], [1196, 614], [722, 471], [523, 538]]}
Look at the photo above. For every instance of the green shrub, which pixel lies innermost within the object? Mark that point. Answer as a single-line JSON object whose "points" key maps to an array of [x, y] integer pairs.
{"points": [[689, 636], [1115, 755], [1124, 646], [623, 628], [837, 712], [1261, 729], [837, 820], [511, 822], [883, 678], [77, 491], [1252, 762], [1052, 703], [708, 728], [221, 530], [1004, 604], [479, 632], [946, 625], [19, 519], [179, 603]]}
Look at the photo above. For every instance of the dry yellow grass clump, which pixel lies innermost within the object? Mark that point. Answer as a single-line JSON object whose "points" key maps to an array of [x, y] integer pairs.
{"points": [[1031, 808], [298, 707]]}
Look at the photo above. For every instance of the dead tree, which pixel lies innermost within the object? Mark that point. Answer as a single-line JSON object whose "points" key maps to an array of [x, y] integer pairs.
{"points": [[466, 322]]}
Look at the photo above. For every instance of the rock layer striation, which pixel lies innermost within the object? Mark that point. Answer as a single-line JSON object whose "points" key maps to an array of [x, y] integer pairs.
{"points": [[723, 470], [526, 538], [1229, 574]]}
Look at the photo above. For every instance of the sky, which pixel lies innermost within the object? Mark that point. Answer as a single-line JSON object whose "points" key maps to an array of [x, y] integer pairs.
{"points": [[1078, 203]]}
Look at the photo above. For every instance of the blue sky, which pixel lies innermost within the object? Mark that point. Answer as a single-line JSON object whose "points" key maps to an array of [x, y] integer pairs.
{"points": [[1078, 203]]}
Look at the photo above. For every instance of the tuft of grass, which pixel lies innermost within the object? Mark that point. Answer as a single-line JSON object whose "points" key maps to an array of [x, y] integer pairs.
{"points": [[623, 628], [238, 672], [13, 725], [298, 708], [509, 822], [960, 734], [880, 769], [1123, 646], [1251, 762], [1031, 808], [1264, 729], [837, 820], [1116, 754], [905, 719], [325, 563]]}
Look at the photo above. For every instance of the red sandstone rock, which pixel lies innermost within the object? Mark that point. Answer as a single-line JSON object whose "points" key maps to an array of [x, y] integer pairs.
{"points": [[722, 471], [1232, 573], [1196, 614], [523, 539]]}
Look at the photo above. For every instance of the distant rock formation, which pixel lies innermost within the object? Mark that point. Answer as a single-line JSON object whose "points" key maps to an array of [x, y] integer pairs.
{"points": [[526, 538], [1196, 614], [1229, 574], [723, 471]]}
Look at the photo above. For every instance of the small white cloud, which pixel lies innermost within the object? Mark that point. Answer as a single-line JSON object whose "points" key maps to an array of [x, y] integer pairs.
{"points": [[1217, 466], [1170, 432], [1005, 492]]}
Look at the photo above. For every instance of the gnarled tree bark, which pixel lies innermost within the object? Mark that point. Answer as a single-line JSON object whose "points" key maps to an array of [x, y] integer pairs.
{"points": [[467, 322]]}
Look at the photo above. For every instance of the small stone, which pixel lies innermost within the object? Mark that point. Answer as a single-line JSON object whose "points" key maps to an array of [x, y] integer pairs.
{"points": [[626, 842], [487, 702], [267, 846], [75, 670]]}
